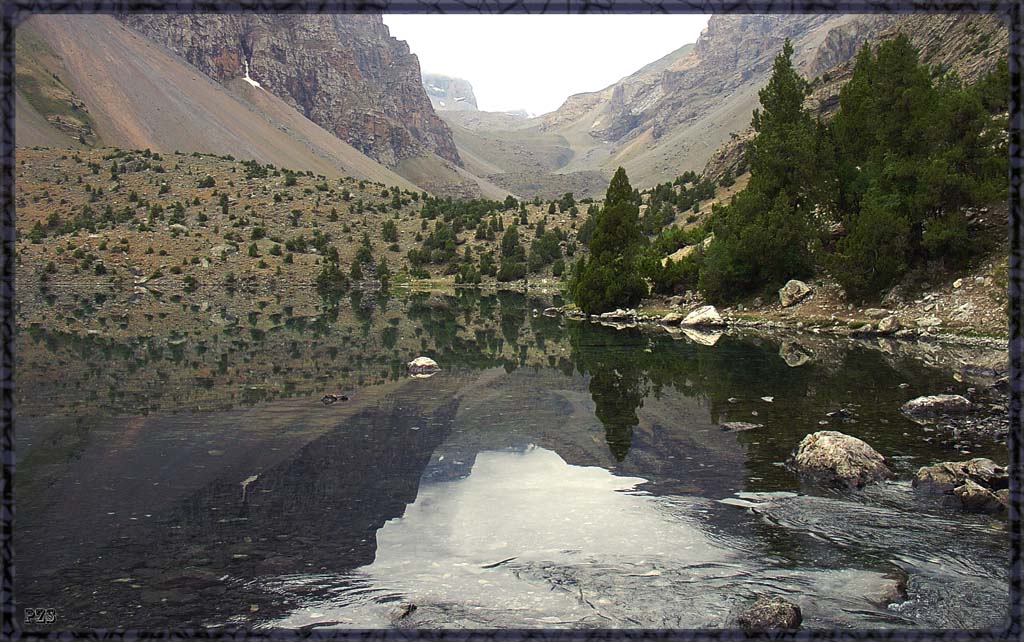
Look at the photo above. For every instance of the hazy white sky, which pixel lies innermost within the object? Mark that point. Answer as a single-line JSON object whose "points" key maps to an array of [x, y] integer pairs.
{"points": [[535, 62]]}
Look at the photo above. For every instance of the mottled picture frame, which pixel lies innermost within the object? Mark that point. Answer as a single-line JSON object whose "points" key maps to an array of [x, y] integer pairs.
{"points": [[15, 11]]}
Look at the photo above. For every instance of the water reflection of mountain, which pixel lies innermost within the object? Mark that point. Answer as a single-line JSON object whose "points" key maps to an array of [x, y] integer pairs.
{"points": [[318, 510], [129, 518]]}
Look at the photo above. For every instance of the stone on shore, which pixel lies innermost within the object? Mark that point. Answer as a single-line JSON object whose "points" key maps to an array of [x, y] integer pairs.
{"points": [[888, 325], [672, 318], [793, 292], [705, 315]]}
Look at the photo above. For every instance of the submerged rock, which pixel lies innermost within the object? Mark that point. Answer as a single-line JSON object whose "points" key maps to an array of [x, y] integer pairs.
{"points": [[793, 292], [769, 613], [935, 405], [739, 426], [705, 315], [794, 354], [838, 459]]}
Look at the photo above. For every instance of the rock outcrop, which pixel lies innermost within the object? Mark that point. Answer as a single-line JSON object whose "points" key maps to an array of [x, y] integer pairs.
{"points": [[969, 45], [836, 459], [342, 71], [449, 94]]}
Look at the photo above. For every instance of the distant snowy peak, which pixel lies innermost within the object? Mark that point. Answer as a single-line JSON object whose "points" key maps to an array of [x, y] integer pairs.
{"points": [[449, 94]]}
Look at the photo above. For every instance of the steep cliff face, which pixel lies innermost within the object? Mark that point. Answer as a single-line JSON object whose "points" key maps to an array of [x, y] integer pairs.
{"points": [[344, 72], [670, 116], [449, 94], [969, 46]]}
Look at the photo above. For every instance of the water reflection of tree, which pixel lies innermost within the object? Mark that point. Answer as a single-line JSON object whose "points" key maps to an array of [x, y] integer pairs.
{"points": [[617, 382]]}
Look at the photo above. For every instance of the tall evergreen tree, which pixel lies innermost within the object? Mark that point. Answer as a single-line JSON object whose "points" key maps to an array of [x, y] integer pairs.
{"points": [[762, 237], [611, 276]]}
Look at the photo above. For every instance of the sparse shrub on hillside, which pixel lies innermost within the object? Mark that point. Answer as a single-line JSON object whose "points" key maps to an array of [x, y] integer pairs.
{"points": [[206, 181]]}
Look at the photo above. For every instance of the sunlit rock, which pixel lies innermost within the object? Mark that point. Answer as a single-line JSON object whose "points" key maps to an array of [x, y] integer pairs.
{"points": [[976, 485], [793, 292], [837, 459], [706, 315], [888, 325], [936, 405], [423, 367]]}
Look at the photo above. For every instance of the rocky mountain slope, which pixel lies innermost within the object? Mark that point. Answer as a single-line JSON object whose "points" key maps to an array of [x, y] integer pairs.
{"points": [[88, 80], [969, 46], [675, 114], [449, 94], [85, 81], [344, 72]]}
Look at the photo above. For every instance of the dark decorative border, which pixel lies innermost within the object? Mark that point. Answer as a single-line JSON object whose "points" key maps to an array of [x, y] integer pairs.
{"points": [[13, 11]]}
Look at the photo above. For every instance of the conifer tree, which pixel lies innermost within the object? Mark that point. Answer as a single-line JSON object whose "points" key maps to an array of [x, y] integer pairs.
{"points": [[611, 277]]}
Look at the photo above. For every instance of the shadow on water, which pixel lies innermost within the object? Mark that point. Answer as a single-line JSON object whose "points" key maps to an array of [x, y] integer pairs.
{"points": [[194, 478]]}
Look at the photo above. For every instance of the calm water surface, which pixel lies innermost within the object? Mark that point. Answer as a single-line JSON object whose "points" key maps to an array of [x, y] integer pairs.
{"points": [[554, 474]]}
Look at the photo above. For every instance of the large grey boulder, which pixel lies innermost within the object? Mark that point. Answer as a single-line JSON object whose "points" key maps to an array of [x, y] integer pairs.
{"points": [[770, 613], [793, 292], [936, 405], [705, 315], [838, 459]]}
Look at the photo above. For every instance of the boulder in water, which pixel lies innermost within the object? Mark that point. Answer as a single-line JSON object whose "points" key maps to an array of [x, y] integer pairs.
{"points": [[423, 366], [976, 499], [976, 485], [837, 459], [936, 405], [770, 613], [793, 292]]}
